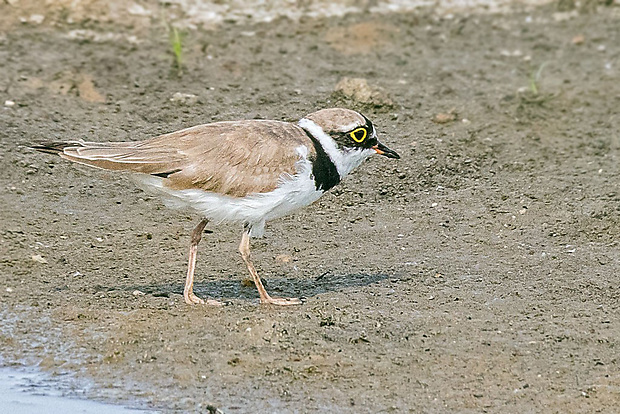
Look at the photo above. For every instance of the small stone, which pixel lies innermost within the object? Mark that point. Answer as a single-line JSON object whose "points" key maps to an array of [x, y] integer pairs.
{"points": [[184, 98], [9, 290], [284, 258], [36, 18], [9, 103], [578, 40], [509, 53], [138, 10], [39, 259], [444, 118], [137, 293], [359, 90]]}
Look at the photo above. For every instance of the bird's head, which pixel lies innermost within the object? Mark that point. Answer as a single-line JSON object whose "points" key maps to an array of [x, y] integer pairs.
{"points": [[350, 130]]}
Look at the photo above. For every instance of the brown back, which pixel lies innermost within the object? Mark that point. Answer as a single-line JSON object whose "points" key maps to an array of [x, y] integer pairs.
{"points": [[233, 158]]}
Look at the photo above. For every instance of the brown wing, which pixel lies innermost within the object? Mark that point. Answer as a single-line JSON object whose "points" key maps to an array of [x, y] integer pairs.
{"points": [[232, 158]]}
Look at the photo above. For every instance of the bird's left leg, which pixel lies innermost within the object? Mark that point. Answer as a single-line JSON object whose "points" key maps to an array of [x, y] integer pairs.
{"points": [[244, 249], [188, 292]]}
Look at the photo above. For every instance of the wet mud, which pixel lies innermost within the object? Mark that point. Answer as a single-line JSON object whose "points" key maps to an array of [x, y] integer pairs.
{"points": [[478, 273]]}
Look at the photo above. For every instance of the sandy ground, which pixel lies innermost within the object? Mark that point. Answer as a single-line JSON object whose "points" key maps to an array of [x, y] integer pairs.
{"points": [[479, 273]]}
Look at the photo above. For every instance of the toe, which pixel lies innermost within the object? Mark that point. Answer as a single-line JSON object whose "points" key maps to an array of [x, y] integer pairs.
{"points": [[192, 299], [282, 301]]}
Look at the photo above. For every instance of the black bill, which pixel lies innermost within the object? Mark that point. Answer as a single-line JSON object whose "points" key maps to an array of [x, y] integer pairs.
{"points": [[383, 150]]}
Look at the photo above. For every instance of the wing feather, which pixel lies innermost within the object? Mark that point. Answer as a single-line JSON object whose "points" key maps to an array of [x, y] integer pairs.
{"points": [[232, 158]]}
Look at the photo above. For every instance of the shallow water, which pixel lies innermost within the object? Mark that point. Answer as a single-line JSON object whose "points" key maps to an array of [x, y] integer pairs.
{"points": [[33, 392]]}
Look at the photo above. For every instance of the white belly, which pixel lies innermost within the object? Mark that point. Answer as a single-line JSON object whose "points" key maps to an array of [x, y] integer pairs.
{"points": [[293, 193]]}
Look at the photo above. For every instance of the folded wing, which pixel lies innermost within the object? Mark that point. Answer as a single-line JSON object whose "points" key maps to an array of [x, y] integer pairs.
{"points": [[232, 158]]}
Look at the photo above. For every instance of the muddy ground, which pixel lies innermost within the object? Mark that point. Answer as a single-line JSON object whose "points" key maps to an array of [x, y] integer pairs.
{"points": [[479, 273]]}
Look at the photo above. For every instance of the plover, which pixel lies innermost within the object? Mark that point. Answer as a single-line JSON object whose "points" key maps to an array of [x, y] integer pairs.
{"points": [[247, 171]]}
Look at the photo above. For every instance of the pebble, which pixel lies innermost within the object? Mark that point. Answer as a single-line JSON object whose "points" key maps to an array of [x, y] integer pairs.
{"points": [[184, 98], [578, 40], [283, 258], [39, 259], [509, 53], [9, 103], [36, 18], [138, 10], [359, 90], [444, 118]]}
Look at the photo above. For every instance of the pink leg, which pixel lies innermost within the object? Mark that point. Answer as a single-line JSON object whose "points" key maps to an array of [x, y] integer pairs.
{"points": [[244, 249], [188, 292]]}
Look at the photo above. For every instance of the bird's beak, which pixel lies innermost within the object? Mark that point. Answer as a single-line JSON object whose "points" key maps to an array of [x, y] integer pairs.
{"points": [[383, 150]]}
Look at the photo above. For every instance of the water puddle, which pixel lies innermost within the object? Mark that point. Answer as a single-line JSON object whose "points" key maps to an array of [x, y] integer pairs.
{"points": [[34, 392]]}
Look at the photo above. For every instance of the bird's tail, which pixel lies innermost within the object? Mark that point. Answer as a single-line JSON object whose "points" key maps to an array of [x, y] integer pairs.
{"points": [[137, 156], [54, 147]]}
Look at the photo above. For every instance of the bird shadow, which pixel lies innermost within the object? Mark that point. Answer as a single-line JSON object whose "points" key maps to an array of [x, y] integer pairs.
{"points": [[234, 289]]}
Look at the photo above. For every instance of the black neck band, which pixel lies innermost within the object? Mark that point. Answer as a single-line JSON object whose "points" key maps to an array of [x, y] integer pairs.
{"points": [[323, 168]]}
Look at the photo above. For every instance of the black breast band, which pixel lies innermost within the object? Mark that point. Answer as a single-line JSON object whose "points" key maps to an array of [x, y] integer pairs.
{"points": [[323, 168]]}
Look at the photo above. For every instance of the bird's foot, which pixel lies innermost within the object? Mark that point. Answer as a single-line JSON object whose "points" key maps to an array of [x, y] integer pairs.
{"points": [[280, 301], [192, 299]]}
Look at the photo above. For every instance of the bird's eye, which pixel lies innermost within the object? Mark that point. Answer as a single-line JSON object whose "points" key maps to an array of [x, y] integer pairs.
{"points": [[358, 135]]}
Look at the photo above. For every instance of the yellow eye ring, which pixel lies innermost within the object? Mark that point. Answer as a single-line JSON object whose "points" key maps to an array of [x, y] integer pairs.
{"points": [[357, 137]]}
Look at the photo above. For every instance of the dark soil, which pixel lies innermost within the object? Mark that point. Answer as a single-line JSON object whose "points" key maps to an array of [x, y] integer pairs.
{"points": [[479, 273]]}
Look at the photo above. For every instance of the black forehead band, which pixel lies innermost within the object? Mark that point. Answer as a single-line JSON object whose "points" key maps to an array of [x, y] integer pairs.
{"points": [[369, 126]]}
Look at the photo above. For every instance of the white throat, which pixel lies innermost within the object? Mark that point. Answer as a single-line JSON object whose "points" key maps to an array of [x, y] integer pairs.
{"points": [[345, 161]]}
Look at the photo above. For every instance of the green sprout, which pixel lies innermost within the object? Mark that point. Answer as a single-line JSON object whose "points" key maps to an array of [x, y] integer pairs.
{"points": [[534, 78], [176, 41]]}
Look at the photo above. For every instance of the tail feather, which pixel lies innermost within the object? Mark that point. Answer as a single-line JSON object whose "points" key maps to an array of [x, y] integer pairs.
{"points": [[55, 147], [117, 156]]}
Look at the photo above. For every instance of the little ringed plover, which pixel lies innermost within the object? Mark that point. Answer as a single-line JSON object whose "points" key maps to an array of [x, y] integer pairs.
{"points": [[240, 171]]}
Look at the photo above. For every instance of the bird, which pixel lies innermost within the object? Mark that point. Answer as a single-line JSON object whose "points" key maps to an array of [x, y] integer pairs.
{"points": [[246, 172]]}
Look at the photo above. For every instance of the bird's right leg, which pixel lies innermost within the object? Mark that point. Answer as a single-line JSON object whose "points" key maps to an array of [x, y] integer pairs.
{"points": [[244, 249]]}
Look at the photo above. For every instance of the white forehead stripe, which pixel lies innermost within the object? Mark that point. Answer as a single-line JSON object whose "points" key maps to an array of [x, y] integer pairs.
{"points": [[352, 126]]}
